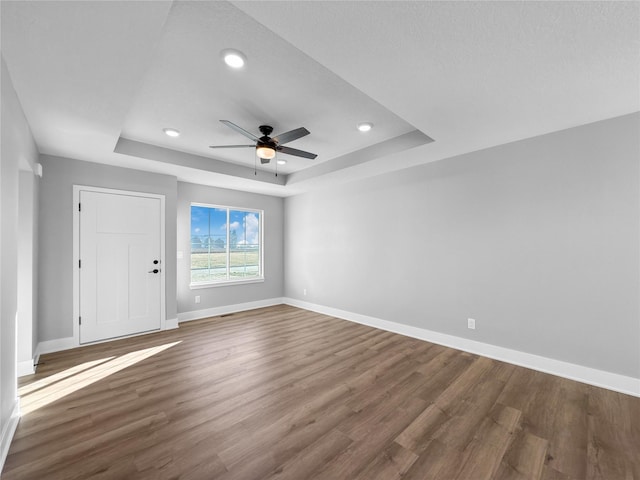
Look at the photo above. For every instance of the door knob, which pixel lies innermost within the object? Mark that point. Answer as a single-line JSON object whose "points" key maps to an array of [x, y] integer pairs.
{"points": [[155, 270]]}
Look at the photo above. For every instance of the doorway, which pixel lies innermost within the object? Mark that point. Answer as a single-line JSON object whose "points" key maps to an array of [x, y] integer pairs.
{"points": [[120, 259]]}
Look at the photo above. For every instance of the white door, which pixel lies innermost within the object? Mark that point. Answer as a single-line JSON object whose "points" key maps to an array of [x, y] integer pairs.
{"points": [[120, 265]]}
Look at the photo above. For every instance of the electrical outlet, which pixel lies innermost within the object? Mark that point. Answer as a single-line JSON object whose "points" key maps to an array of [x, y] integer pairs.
{"points": [[304, 292], [471, 323], [197, 298]]}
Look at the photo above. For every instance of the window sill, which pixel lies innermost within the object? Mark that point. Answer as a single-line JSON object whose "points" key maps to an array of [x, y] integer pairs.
{"points": [[225, 283]]}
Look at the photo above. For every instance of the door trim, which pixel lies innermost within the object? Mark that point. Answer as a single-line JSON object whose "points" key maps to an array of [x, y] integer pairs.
{"points": [[76, 257]]}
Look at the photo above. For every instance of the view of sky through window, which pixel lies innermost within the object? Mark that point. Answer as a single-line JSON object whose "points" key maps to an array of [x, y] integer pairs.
{"points": [[225, 244]]}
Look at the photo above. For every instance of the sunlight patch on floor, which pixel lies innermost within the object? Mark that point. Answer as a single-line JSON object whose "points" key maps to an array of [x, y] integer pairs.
{"points": [[47, 390], [37, 385]]}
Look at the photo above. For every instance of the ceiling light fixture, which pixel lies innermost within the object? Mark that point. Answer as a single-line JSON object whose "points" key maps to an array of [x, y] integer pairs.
{"points": [[365, 126], [234, 58], [265, 151], [171, 132], [282, 162]]}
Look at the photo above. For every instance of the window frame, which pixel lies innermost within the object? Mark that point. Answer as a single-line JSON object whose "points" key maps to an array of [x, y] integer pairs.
{"points": [[228, 281]]}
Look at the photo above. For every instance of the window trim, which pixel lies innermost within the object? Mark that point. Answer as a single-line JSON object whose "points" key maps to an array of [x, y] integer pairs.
{"points": [[229, 282]]}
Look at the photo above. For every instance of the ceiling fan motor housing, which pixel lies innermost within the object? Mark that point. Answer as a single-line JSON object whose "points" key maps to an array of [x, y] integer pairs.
{"points": [[266, 130], [266, 142]]}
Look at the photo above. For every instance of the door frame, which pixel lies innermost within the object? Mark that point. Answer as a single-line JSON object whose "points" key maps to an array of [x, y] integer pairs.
{"points": [[76, 258]]}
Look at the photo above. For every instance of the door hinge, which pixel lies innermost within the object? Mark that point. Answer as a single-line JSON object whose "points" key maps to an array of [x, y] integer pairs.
{"points": [[80, 320], [79, 263], [79, 207]]}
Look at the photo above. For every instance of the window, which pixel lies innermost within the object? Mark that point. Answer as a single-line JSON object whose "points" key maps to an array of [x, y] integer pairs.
{"points": [[226, 245]]}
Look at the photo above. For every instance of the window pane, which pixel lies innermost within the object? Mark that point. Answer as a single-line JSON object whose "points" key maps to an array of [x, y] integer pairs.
{"points": [[244, 243], [199, 235], [208, 244], [218, 243]]}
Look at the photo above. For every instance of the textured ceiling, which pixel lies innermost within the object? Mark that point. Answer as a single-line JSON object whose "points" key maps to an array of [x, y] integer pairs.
{"points": [[99, 80]]}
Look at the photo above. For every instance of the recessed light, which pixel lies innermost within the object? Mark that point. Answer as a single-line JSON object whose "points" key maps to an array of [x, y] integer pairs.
{"points": [[234, 58], [365, 126], [282, 162], [172, 132]]}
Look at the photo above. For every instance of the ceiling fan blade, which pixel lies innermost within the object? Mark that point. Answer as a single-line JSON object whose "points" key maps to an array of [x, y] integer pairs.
{"points": [[239, 130], [296, 152], [291, 135], [231, 146], [264, 160]]}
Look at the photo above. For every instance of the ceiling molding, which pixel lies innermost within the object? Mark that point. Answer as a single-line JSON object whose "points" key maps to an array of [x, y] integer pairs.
{"points": [[132, 148]]}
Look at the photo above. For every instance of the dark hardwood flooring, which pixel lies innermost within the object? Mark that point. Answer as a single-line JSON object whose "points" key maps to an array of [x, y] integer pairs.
{"points": [[283, 393]]}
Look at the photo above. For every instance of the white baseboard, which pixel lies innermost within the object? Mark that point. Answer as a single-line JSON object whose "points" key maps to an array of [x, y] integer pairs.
{"points": [[170, 324], [7, 433], [225, 310], [26, 367], [57, 345], [591, 376]]}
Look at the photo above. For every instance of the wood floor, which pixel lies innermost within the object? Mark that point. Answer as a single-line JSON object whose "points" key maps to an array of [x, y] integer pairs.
{"points": [[283, 393]]}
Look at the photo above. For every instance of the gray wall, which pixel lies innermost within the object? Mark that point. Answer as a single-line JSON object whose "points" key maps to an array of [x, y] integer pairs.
{"points": [[18, 152], [537, 240], [212, 297], [29, 188], [56, 233]]}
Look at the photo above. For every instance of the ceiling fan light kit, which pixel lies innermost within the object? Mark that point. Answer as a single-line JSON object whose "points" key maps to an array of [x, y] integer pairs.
{"points": [[265, 152]]}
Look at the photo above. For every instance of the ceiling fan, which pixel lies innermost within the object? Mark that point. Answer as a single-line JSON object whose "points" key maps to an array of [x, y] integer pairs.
{"points": [[266, 146]]}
